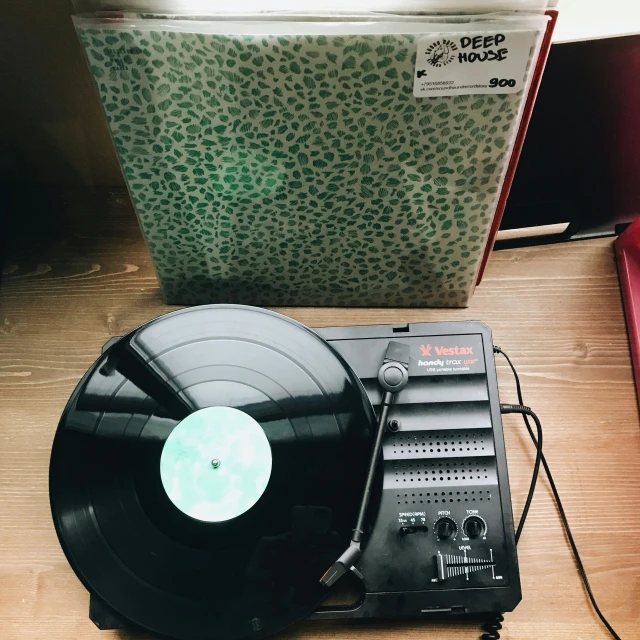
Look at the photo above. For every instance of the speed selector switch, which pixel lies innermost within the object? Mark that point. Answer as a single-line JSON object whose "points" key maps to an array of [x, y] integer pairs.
{"points": [[474, 527], [445, 528]]}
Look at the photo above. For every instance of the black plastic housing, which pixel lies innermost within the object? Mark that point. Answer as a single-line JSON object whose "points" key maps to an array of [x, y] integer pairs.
{"points": [[448, 426], [446, 460]]}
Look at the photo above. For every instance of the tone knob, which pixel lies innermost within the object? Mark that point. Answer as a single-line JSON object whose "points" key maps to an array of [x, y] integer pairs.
{"points": [[474, 527], [445, 528]]}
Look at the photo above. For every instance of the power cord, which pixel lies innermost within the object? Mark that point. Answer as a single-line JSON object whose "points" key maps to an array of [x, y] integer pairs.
{"points": [[563, 517], [493, 624], [526, 411], [492, 627]]}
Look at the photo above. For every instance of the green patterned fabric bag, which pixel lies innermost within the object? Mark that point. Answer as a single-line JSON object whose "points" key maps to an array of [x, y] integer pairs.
{"points": [[288, 161]]}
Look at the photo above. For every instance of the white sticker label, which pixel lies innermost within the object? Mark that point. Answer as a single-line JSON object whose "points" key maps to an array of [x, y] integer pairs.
{"points": [[457, 64]]}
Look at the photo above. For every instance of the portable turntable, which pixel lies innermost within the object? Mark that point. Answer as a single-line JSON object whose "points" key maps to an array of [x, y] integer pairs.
{"points": [[212, 475]]}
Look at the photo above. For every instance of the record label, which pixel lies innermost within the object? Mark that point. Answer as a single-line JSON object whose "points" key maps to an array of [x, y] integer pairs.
{"points": [[216, 464]]}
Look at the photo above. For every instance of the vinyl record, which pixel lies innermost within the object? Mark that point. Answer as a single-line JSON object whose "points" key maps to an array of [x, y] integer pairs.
{"points": [[207, 471]]}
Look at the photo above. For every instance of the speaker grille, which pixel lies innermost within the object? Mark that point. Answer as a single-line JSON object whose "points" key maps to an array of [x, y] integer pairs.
{"points": [[439, 444], [441, 497], [431, 473]]}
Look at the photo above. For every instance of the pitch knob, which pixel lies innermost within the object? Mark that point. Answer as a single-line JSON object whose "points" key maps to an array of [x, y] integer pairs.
{"points": [[445, 528]]}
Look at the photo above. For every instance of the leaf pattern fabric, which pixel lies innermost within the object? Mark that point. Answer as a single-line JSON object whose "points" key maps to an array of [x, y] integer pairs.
{"points": [[300, 170]]}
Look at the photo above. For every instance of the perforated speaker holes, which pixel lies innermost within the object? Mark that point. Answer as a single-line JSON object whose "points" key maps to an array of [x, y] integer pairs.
{"points": [[442, 497], [457, 470], [436, 442]]}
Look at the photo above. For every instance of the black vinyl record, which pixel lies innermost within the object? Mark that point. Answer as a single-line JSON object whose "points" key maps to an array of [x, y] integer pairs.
{"points": [[164, 570]]}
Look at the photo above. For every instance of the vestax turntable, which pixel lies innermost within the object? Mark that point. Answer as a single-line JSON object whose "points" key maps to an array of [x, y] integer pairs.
{"points": [[209, 468]]}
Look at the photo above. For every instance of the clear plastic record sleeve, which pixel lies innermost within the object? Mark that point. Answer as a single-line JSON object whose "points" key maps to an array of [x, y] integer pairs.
{"points": [[317, 158]]}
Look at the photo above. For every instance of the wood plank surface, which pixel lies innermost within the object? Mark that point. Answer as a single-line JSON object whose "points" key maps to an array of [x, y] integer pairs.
{"points": [[556, 310]]}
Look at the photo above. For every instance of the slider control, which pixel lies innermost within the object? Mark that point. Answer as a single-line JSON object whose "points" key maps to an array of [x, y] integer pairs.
{"points": [[414, 528], [441, 565]]}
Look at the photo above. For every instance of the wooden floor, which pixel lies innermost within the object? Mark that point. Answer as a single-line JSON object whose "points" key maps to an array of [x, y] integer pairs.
{"points": [[556, 310]]}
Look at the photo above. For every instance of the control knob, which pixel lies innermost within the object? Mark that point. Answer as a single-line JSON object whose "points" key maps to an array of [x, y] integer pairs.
{"points": [[474, 527], [445, 528]]}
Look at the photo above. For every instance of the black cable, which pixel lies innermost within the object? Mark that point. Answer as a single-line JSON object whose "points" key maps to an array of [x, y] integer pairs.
{"points": [[492, 627], [563, 517], [526, 411]]}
